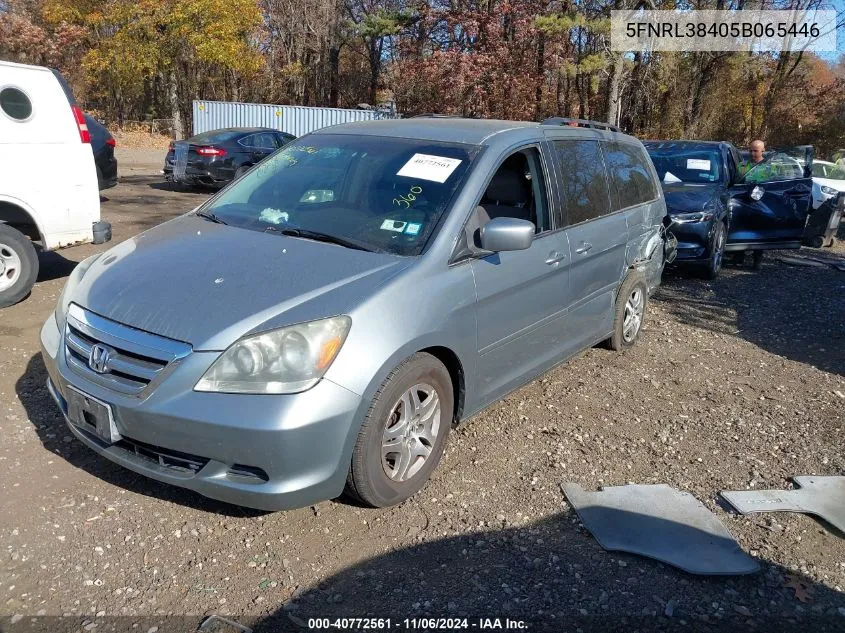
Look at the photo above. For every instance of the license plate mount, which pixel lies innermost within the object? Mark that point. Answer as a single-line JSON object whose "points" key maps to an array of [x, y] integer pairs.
{"points": [[91, 414]]}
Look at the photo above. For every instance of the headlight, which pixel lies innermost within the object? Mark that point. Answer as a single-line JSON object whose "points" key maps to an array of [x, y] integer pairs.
{"points": [[700, 216], [829, 191], [73, 280], [288, 360]]}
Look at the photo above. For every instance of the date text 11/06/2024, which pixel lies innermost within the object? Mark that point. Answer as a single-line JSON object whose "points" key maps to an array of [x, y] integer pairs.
{"points": [[428, 624]]}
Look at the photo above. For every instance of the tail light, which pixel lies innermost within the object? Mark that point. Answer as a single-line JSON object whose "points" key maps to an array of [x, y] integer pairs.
{"points": [[111, 142], [211, 151], [84, 134]]}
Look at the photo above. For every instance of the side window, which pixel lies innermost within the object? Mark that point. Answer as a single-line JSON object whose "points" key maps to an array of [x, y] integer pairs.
{"points": [[518, 190], [630, 177], [264, 140], [583, 185], [776, 168], [283, 139], [15, 104]]}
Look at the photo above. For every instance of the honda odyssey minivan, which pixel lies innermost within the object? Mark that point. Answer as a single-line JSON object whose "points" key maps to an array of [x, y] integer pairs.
{"points": [[322, 323]]}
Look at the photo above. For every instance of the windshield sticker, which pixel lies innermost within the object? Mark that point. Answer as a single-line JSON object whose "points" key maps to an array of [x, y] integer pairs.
{"points": [[408, 198], [413, 228], [273, 216], [428, 167], [697, 163], [670, 177], [393, 225]]}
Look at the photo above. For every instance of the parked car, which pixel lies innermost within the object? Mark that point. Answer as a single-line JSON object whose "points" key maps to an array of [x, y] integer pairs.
{"points": [[331, 315], [216, 158], [103, 144], [715, 210], [43, 139], [828, 181]]}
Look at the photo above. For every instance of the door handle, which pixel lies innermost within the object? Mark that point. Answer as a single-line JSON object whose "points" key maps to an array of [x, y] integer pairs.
{"points": [[555, 257], [586, 246]]}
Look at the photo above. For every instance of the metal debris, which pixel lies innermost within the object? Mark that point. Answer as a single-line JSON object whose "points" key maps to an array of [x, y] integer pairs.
{"points": [[821, 496], [660, 522]]}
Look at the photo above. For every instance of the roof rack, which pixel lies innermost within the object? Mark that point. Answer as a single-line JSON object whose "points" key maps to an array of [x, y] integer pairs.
{"points": [[432, 115], [598, 125]]}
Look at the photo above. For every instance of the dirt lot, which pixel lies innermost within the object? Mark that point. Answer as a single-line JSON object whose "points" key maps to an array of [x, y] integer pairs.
{"points": [[736, 384]]}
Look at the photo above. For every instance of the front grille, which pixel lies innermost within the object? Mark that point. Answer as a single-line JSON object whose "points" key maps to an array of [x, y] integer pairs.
{"points": [[136, 359], [183, 463]]}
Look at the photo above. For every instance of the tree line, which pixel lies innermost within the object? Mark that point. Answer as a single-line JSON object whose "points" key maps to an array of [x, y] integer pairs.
{"points": [[511, 59]]}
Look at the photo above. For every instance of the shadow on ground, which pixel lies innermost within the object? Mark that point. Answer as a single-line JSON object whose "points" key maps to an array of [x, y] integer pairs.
{"points": [[52, 265], [794, 311], [555, 577], [44, 414]]}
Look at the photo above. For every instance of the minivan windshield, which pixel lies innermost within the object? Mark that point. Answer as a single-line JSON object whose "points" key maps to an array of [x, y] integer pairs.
{"points": [[688, 166], [377, 193]]}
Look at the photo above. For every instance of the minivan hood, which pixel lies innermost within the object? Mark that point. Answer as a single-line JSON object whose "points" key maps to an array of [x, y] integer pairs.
{"points": [[209, 284], [689, 197]]}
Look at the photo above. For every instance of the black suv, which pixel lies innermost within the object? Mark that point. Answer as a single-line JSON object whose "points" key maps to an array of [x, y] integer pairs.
{"points": [[717, 204]]}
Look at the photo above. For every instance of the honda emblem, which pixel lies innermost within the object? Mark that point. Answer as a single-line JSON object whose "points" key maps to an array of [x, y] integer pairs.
{"points": [[98, 359]]}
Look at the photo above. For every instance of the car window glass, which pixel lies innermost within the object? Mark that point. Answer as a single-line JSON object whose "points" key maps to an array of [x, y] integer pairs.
{"points": [[679, 164], [283, 139], [518, 190], [384, 194], [835, 172], [15, 103], [583, 183], [630, 176], [215, 136], [776, 168]]}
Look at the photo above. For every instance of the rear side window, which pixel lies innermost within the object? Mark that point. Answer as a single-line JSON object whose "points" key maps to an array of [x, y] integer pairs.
{"points": [[262, 140], [15, 103], [583, 183], [630, 176]]}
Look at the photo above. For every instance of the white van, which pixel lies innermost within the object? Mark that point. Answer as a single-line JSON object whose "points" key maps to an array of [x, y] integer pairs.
{"points": [[48, 180]]}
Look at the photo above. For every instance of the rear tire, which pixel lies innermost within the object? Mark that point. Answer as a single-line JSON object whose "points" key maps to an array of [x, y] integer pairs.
{"points": [[817, 242], [629, 312], [404, 434], [240, 171], [18, 266]]}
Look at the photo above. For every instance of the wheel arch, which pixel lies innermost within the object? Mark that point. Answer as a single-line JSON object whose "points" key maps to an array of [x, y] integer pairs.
{"points": [[20, 216], [456, 372]]}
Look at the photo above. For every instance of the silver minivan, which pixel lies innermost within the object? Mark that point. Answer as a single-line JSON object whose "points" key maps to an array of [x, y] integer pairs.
{"points": [[322, 323]]}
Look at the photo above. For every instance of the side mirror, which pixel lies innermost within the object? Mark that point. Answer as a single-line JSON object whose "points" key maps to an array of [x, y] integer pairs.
{"points": [[507, 234]]}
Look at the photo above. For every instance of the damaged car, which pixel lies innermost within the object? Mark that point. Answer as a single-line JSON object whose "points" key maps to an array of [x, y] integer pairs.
{"points": [[331, 315], [719, 204]]}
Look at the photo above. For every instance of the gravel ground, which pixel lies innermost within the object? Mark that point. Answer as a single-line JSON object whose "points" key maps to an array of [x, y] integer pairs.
{"points": [[737, 383]]}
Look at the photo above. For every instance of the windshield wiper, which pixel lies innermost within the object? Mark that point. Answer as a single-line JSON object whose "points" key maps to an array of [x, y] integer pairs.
{"points": [[209, 215], [317, 236]]}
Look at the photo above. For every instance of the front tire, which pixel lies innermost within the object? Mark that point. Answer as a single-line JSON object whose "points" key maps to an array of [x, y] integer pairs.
{"points": [[404, 434], [629, 312], [18, 266], [717, 253]]}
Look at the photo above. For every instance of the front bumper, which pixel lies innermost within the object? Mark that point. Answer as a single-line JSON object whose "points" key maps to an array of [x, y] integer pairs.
{"points": [[261, 451], [693, 241]]}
